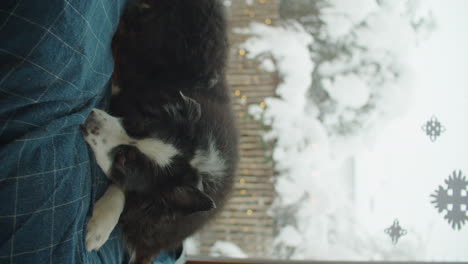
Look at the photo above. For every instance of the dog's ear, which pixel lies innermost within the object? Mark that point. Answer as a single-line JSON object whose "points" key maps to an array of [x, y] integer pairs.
{"points": [[191, 108], [189, 199]]}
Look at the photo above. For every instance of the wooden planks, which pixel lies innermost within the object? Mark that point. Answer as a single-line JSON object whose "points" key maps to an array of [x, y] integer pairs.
{"points": [[245, 220]]}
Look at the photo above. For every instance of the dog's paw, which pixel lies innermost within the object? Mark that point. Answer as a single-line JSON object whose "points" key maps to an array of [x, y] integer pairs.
{"points": [[106, 214], [97, 233]]}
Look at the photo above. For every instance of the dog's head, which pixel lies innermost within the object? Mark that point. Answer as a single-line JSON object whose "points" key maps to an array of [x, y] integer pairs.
{"points": [[156, 152]]}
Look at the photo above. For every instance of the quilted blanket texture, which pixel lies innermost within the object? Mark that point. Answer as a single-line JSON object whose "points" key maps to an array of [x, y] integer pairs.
{"points": [[55, 66]]}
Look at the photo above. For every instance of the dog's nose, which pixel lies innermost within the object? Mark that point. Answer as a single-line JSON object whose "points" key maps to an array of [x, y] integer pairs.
{"points": [[91, 116], [83, 129]]}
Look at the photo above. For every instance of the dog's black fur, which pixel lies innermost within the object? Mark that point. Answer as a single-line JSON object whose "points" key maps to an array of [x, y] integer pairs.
{"points": [[164, 48]]}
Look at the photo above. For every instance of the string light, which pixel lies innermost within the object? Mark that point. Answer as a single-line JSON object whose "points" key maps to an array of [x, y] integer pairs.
{"points": [[243, 101], [243, 52]]}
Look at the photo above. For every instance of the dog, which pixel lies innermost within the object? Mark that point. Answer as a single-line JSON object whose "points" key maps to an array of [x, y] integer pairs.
{"points": [[169, 144]]}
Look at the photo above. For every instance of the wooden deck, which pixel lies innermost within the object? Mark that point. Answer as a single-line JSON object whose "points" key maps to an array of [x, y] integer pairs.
{"points": [[246, 221]]}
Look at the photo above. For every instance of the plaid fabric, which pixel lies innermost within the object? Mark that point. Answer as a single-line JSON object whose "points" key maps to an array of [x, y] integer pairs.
{"points": [[55, 66]]}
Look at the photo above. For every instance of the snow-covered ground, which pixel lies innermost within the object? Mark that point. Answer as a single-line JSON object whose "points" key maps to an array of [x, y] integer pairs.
{"points": [[347, 188], [226, 249]]}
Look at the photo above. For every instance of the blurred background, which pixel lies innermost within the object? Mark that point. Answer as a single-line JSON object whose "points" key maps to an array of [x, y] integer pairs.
{"points": [[353, 132]]}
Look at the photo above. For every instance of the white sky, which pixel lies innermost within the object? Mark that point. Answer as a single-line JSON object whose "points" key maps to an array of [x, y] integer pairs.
{"points": [[405, 167]]}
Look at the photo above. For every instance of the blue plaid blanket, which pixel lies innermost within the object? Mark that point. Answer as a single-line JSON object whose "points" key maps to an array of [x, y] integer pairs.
{"points": [[55, 66]]}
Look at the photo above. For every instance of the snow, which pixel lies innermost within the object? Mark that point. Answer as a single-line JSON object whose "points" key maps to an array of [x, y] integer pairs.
{"points": [[301, 151], [226, 249], [289, 236], [372, 75], [341, 15], [268, 65], [346, 188], [289, 46], [192, 246], [348, 90]]}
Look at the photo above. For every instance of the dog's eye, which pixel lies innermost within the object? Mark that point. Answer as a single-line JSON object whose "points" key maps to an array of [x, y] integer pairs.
{"points": [[120, 158], [131, 155]]}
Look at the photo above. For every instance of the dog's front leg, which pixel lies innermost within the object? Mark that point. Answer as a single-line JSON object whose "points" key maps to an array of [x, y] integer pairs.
{"points": [[105, 217]]}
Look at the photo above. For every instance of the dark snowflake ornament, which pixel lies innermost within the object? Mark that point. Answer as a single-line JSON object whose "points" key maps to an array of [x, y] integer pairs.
{"points": [[453, 200], [433, 128], [395, 231]]}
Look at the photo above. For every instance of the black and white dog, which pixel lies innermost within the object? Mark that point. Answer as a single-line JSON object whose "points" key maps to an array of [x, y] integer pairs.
{"points": [[169, 144]]}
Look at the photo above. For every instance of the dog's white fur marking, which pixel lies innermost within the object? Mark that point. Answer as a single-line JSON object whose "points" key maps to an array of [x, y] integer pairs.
{"points": [[105, 132], [209, 161], [157, 150], [106, 214]]}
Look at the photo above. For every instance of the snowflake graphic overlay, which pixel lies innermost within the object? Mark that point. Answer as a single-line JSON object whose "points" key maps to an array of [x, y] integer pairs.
{"points": [[453, 199], [395, 231], [433, 128]]}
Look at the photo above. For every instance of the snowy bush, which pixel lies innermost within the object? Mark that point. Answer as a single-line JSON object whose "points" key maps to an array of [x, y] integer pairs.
{"points": [[364, 77], [344, 74]]}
